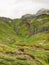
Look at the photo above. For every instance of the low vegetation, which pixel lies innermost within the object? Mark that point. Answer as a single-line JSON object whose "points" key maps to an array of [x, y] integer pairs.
{"points": [[24, 41]]}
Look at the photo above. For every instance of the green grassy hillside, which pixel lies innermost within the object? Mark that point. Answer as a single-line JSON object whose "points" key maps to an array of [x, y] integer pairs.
{"points": [[24, 41]]}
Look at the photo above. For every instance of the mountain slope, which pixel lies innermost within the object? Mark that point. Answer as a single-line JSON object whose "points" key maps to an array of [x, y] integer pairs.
{"points": [[28, 27], [24, 41]]}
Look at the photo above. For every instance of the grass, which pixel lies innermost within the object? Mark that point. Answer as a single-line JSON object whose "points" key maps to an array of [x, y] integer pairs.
{"points": [[23, 49], [36, 52]]}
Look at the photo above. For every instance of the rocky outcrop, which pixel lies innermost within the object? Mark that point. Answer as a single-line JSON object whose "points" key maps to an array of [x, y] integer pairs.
{"points": [[42, 11]]}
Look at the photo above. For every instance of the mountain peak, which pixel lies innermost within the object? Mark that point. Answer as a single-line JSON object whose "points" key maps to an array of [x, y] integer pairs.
{"points": [[43, 11]]}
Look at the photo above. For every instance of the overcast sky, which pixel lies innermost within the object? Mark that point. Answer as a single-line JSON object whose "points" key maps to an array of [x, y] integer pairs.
{"points": [[17, 8]]}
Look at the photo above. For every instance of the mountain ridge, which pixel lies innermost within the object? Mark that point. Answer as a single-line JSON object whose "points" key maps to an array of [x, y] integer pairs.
{"points": [[39, 12]]}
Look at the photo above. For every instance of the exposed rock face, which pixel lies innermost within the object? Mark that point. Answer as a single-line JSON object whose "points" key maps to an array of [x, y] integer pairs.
{"points": [[42, 11], [30, 16]]}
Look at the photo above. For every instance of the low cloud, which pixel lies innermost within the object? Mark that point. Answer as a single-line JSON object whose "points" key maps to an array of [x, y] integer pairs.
{"points": [[17, 8]]}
